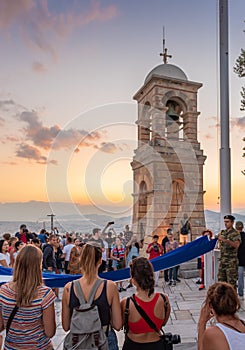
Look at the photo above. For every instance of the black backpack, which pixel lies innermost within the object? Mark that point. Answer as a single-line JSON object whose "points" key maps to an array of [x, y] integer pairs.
{"points": [[185, 228]]}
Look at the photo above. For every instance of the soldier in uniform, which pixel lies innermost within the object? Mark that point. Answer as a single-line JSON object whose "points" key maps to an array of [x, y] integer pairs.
{"points": [[229, 241]]}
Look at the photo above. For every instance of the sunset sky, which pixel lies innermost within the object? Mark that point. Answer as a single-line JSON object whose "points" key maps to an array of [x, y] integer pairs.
{"points": [[69, 69]]}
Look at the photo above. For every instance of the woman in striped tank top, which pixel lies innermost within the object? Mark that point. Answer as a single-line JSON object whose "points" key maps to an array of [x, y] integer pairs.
{"points": [[34, 322]]}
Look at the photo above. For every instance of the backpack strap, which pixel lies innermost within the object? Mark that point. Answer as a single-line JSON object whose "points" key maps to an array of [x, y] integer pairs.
{"points": [[80, 293], [94, 290]]}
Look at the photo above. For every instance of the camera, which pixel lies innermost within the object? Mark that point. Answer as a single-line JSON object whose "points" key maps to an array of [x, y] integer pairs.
{"points": [[111, 223], [155, 247], [169, 339]]}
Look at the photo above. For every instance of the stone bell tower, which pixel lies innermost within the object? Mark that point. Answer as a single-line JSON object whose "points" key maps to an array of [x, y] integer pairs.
{"points": [[168, 162]]}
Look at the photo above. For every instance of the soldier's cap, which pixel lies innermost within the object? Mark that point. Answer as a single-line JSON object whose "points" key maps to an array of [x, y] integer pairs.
{"points": [[229, 217], [239, 224]]}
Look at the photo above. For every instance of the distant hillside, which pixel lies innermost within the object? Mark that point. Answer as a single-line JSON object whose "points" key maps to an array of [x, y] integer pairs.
{"points": [[76, 218], [213, 220], [38, 211]]}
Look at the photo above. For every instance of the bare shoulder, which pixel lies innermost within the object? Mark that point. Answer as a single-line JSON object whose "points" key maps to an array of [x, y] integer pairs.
{"points": [[111, 284], [214, 339], [163, 299], [112, 291], [67, 287]]}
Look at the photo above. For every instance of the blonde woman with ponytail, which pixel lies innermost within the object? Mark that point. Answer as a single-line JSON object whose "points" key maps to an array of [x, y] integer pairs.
{"points": [[34, 321], [106, 296]]}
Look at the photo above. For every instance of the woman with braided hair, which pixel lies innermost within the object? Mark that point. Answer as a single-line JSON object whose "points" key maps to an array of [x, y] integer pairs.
{"points": [[140, 336]]}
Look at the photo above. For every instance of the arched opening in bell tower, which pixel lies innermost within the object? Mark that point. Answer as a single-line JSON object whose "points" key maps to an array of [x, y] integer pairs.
{"points": [[144, 125], [174, 120]]}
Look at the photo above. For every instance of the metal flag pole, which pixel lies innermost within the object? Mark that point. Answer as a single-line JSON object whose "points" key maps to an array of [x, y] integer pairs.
{"points": [[225, 158]]}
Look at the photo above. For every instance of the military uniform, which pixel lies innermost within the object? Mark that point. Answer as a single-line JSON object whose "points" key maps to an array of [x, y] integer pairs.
{"points": [[228, 267]]}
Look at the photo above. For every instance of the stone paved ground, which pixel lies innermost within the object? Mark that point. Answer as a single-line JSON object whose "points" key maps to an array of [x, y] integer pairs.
{"points": [[186, 301]]}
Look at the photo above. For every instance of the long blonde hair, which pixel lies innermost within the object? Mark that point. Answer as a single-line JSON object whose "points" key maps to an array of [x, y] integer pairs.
{"points": [[90, 256], [27, 274]]}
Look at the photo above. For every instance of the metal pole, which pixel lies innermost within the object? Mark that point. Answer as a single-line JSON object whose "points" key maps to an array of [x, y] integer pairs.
{"points": [[52, 221], [225, 158]]}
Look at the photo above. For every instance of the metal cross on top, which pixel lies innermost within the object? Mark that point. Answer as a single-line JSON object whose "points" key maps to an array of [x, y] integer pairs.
{"points": [[165, 56], [164, 50]]}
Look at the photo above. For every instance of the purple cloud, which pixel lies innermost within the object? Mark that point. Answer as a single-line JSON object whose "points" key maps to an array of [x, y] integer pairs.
{"points": [[46, 137], [32, 153], [40, 26], [39, 67], [239, 122]]}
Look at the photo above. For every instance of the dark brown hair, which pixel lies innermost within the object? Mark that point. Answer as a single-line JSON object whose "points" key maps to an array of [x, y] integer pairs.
{"points": [[223, 299], [141, 270]]}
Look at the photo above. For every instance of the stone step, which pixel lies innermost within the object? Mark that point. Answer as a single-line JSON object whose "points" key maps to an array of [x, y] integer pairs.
{"points": [[189, 273], [189, 269], [189, 265]]}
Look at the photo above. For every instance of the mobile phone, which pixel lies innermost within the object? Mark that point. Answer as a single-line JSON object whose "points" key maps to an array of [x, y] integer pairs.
{"points": [[111, 223]]}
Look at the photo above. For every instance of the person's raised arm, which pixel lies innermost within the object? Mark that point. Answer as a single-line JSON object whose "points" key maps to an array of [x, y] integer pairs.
{"points": [[205, 315], [105, 228], [149, 248]]}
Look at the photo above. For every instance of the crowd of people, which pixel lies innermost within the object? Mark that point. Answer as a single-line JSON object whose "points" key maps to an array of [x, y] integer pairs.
{"points": [[62, 253], [27, 310]]}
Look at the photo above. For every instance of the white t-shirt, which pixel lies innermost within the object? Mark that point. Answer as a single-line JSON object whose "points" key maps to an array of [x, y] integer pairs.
{"points": [[5, 257], [105, 251], [67, 251]]}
